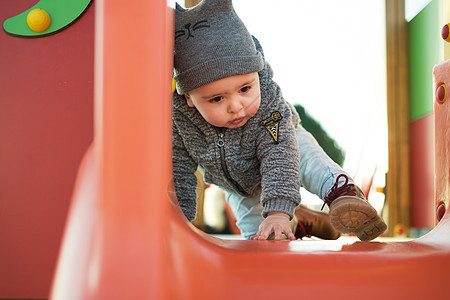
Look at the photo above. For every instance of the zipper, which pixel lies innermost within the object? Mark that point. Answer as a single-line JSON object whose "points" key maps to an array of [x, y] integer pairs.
{"points": [[221, 145]]}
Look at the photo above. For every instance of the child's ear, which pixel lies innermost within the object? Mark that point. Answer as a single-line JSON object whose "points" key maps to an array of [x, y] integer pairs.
{"points": [[189, 100]]}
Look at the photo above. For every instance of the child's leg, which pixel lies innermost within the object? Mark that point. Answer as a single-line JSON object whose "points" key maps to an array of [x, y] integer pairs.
{"points": [[248, 213], [318, 171], [349, 209]]}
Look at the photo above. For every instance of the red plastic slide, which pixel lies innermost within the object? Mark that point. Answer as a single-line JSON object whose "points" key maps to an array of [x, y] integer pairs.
{"points": [[125, 238]]}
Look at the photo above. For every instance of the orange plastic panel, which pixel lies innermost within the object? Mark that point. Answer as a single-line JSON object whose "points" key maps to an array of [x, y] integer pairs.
{"points": [[441, 79], [127, 240]]}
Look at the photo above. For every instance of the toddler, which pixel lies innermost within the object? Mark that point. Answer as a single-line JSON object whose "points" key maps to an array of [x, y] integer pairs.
{"points": [[232, 123]]}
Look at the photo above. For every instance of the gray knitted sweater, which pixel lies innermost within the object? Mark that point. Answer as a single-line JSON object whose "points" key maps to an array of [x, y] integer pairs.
{"points": [[259, 158]]}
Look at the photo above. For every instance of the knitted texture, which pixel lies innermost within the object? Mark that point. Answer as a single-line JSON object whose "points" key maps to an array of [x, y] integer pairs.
{"points": [[258, 165], [211, 43]]}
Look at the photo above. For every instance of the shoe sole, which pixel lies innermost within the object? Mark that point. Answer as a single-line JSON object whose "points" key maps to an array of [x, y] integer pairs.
{"points": [[352, 215]]}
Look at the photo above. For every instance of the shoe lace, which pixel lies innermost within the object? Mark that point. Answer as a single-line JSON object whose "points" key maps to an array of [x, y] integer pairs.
{"points": [[337, 191], [303, 229]]}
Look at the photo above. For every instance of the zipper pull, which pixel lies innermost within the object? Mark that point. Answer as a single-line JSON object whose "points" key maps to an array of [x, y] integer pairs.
{"points": [[220, 142]]}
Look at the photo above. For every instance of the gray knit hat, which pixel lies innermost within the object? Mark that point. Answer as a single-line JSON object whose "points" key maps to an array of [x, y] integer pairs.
{"points": [[211, 43]]}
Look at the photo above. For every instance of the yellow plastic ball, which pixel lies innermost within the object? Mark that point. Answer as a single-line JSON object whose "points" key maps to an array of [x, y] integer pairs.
{"points": [[38, 20], [174, 85]]}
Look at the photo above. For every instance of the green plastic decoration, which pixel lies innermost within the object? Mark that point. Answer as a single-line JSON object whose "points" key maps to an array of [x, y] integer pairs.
{"points": [[62, 14]]}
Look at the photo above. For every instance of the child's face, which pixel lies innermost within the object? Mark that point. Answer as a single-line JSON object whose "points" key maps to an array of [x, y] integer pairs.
{"points": [[229, 102]]}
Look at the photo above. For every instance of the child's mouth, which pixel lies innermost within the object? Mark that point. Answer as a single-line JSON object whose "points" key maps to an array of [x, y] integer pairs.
{"points": [[237, 121]]}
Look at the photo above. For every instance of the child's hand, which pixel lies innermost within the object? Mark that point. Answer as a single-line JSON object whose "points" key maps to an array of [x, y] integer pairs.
{"points": [[276, 223]]}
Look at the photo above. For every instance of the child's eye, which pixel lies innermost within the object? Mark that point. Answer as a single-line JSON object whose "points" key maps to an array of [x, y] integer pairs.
{"points": [[245, 89], [216, 99]]}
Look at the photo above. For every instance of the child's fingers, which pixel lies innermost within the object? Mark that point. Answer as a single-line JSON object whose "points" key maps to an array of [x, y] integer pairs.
{"points": [[264, 234], [277, 235], [278, 232], [290, 235], [274, 227]]}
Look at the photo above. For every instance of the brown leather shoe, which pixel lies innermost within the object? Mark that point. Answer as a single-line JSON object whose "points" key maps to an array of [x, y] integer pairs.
{"points": [[313, 223], [351, 212]]}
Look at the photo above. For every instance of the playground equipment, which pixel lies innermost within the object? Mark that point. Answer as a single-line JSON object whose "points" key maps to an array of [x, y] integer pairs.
{"points": [[127, 239], [37, 20]]}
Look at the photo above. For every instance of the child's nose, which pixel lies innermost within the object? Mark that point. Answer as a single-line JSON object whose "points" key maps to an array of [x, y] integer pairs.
{"points": [[235, 106]]}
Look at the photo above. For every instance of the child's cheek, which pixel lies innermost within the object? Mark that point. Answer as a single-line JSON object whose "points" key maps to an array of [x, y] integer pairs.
{"points": [[215, 118], [254, 106]]}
